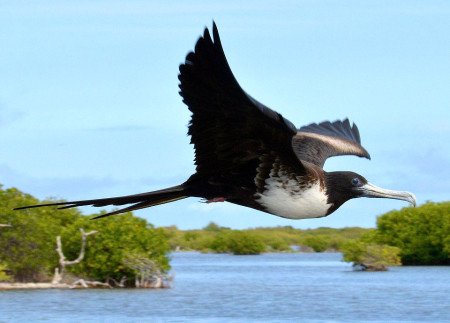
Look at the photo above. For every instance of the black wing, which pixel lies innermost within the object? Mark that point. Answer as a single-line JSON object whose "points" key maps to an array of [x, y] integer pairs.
{"points": [[232, 133], [229, 129], [315, 143]]}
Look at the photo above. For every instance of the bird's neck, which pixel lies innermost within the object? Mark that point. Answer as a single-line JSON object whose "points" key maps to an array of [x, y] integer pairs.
{"points": [[336, 195]]}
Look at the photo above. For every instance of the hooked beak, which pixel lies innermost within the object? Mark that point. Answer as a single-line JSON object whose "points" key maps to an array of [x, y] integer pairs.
{"points": [[370, 190]]}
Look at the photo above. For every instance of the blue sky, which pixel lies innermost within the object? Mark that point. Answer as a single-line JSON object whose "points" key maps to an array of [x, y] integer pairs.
{"points": [[89, 103]]}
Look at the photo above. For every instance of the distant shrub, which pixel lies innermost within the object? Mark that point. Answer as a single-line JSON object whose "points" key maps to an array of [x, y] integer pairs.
{"points": [[245, 243], [220, 243], [421, 233], [278, 244], [318, 242], [4, 276], [238, 243], [213, 238], [213, 227], [370, 255]]}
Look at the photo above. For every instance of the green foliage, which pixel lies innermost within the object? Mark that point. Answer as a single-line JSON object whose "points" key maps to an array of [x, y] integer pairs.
{"points": [[4, 276], [278, 244], [353, 251], [213, 227], [245, 243], [360, 252], [27, 248], [421, 233], [238, 243], [318, 242], [118, 237], [213, 238], [220, 243], [196, 240], [419, 236], [174, 236]]}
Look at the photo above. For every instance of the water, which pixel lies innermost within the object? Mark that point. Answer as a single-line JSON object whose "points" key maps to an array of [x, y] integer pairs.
{"points": [[265, 288]]}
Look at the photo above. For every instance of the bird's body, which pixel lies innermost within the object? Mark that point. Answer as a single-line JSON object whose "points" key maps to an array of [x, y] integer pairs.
{"points": [[250, 155], [290, 198]]}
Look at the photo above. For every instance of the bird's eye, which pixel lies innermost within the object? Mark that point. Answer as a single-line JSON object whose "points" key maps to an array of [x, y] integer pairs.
{"points": [[356, 181]]}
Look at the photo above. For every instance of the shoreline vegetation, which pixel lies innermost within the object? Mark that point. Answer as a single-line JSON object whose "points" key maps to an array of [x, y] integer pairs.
{"points": [[42, 247], [410, 236], [366, 256], [39, 244]]}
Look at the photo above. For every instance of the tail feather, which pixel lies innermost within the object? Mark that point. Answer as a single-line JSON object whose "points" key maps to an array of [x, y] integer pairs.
{"points": [[139, 201]]}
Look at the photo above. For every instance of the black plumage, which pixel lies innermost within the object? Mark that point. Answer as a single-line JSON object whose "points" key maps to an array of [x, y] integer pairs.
{"points": [[248, 154]]}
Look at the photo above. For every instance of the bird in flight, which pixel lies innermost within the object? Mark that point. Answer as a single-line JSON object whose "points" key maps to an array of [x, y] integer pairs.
{"points": [[250, 155]]}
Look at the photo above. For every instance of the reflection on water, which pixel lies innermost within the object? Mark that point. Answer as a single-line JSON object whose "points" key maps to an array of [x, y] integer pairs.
{"points": [[265, 288]]}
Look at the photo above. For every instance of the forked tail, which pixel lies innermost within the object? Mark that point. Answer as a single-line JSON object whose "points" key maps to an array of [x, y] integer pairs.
{"points": [[138, 201]]}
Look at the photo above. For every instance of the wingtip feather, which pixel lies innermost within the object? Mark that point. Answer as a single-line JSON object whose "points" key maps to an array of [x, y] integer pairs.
{"points": [[216, 34]]}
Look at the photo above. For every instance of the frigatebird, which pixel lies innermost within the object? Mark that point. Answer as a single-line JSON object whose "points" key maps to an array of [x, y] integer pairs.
{"points": [[250, 155]]}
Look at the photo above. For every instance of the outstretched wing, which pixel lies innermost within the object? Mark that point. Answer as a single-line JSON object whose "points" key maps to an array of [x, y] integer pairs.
{"points": [[229, 129], [317, 142], [233, 134]]}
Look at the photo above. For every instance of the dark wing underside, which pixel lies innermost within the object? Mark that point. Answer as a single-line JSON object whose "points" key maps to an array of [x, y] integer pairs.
{"points": [[315, 143], [232, 133], [236, 138]]}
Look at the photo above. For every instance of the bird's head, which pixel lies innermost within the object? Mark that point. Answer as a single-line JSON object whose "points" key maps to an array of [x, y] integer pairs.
{"points": [[343, 186]]}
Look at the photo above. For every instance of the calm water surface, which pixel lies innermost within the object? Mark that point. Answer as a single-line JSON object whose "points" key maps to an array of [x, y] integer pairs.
{"points": [[265, 288]]}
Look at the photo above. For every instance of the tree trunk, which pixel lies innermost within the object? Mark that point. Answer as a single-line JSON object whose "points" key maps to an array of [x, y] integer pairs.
{"points": [[59, 273]]}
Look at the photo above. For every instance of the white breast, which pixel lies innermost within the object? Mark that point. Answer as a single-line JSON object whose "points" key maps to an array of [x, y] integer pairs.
{"points": [[285, 198]]}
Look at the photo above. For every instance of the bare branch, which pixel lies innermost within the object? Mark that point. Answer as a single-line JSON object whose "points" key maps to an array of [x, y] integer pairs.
{"points": [[147, 272], [62, 259], [117, 284], [83, 245], [87, 284]]}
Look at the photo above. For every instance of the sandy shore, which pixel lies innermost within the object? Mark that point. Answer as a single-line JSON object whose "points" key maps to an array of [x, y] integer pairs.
{"points": [[4, 286]]}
